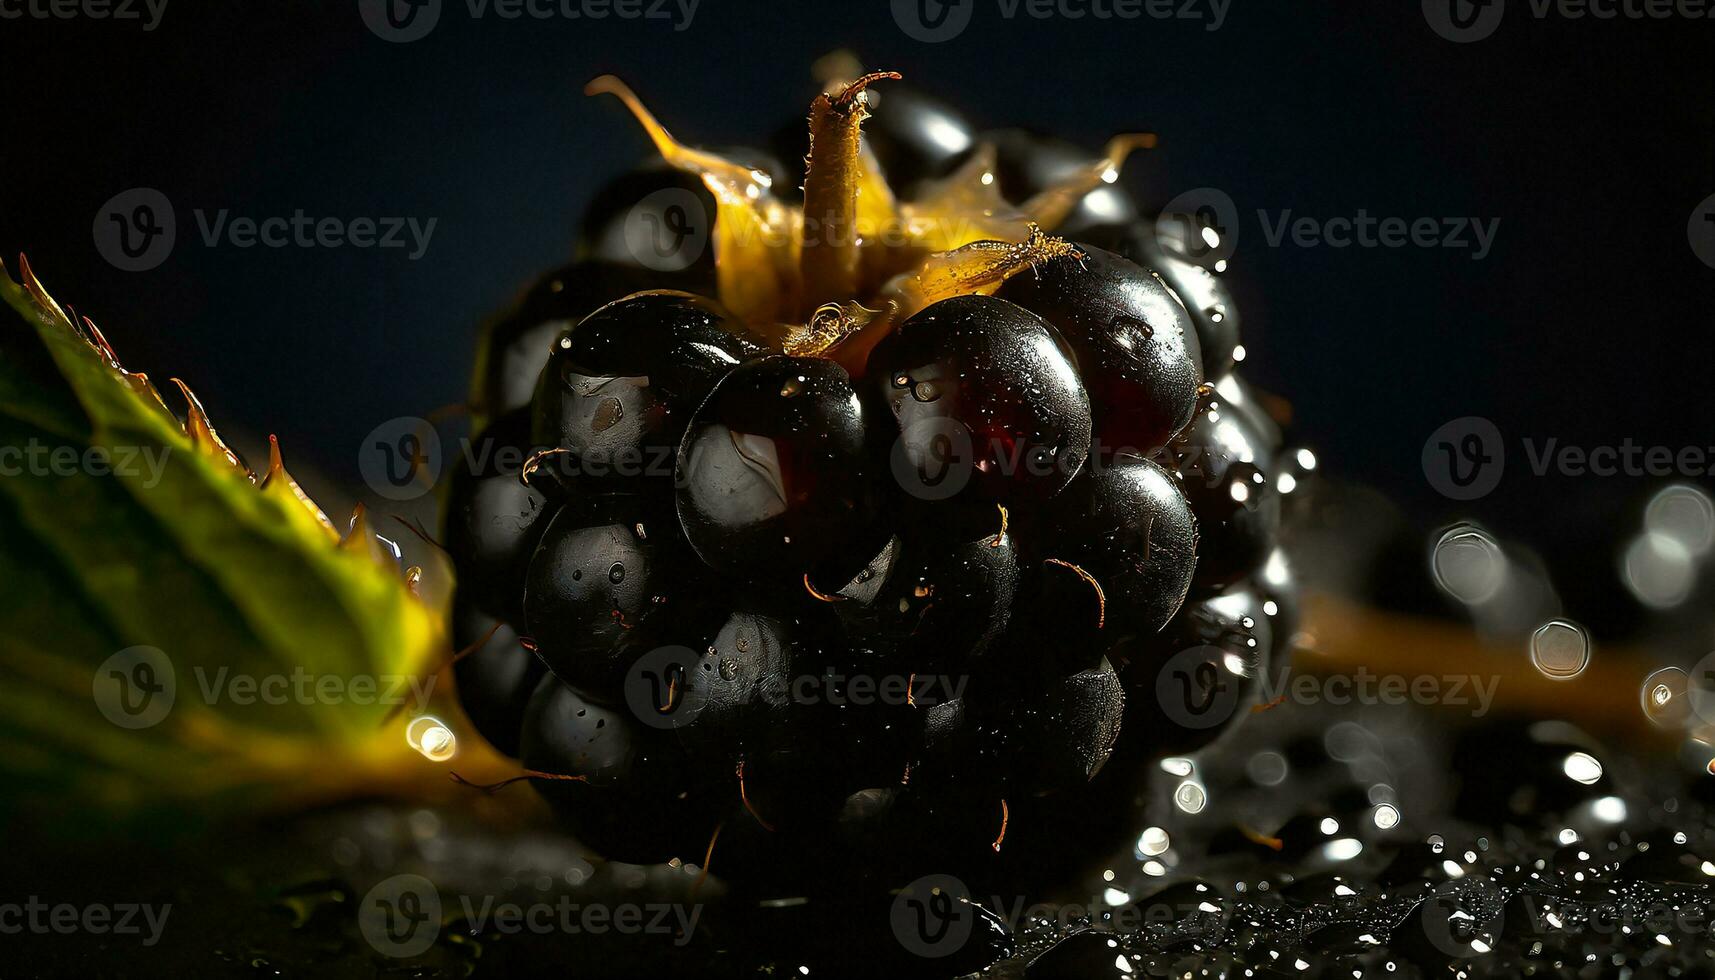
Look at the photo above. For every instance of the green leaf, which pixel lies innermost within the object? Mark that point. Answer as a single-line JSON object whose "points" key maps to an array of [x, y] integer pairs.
{"points": [[288, 650]]}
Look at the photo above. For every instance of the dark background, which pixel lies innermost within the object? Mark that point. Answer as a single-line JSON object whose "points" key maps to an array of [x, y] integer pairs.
{"points": [[1591, 140]]}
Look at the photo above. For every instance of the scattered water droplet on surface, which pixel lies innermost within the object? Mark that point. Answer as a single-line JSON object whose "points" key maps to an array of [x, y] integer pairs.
{"points": [[1560, 649], [1468, 564]]}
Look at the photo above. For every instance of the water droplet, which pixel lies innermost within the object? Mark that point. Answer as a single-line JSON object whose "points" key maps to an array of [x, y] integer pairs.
{"points": [[1385, 816], [1665, 699], [1560, 649], [1153, 841], [1267, 768], [1658, 570], [1468, 564], [1582, 767], [1684, 513], [616, 574], [1190, 797]]}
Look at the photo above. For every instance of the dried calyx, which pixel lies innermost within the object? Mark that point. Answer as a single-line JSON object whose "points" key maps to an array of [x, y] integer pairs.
{"points": [[832, 275]]}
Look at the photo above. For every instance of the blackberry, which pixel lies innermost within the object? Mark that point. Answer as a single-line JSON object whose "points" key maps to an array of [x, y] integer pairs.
{"points": [[940, 508]]}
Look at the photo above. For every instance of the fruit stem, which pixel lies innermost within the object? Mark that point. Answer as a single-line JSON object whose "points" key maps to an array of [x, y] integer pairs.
{"points": [[492, 788], [834, 175], [1090, 580], [744, 797]]}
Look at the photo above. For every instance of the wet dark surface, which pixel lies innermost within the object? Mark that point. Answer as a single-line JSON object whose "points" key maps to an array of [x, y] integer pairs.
{"points": [[1519, 849]]}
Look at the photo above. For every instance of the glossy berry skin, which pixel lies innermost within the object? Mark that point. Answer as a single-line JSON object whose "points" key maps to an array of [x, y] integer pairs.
{"points": [[1126, 524], [1207, 300], [1226, 474], [619, 387], [914, 135], [496, 678], [493, 520], [1066, 735], [1014, 738], [1239, 396], [935, 605], [992, 372], [775, 478], [595, 581], [740, 687], [638, 802], [777, 692], [515, 346], [1132, 340], [1027, 163]]}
